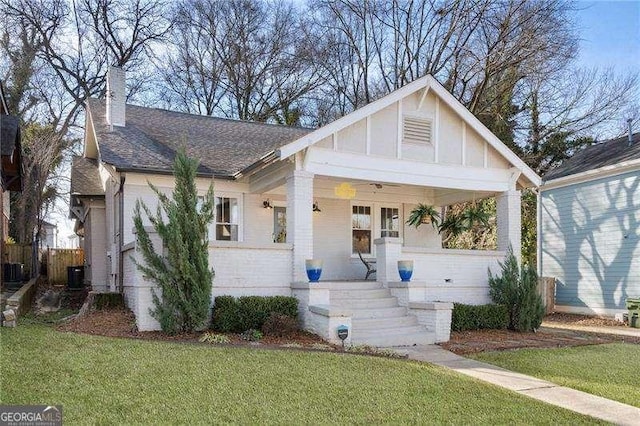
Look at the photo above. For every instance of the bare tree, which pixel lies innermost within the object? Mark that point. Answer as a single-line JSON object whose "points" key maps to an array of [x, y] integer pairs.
{"points": [[243, 59], [42, 147]]}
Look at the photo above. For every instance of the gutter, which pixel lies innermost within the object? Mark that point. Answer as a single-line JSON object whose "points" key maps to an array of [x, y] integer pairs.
{"points": [[264, 161]]}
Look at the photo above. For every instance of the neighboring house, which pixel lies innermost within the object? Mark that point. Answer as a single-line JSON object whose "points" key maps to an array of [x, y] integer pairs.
{"points": [[10, 168], [346, 187], [590, 227], [10, 164], [48, 235]]}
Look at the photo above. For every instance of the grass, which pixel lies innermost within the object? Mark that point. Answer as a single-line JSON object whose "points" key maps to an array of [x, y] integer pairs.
{"points": [[610, 371], [119, 381]]}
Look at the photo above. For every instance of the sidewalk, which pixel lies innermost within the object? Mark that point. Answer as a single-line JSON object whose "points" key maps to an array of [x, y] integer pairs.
{"points": [[618, 331], [580, 402]]}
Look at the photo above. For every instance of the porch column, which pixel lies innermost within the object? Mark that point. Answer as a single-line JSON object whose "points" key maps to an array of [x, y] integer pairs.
{"points": [[388, 252], [509, 222], [300, 220]]}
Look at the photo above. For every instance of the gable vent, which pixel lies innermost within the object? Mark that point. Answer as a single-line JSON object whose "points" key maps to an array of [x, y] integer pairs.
{"points": [[416, 130]]}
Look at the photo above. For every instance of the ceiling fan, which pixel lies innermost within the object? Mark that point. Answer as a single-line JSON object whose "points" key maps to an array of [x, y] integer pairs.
{"points": [[379, 185]]}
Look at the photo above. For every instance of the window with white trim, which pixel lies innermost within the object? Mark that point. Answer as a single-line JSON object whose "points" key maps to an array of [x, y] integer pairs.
{"points": [[389, 222], [361, 227], [226, 220]]}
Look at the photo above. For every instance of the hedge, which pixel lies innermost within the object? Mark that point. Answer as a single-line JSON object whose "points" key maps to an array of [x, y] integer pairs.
{"points": [[236, 315], [476, 317]]}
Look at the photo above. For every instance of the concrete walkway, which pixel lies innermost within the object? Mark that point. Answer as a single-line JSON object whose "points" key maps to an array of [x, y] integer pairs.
{"points": [[618, 331], [571, 399]]}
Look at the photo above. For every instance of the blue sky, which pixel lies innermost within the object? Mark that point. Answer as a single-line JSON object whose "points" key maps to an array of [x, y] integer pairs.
{"points": [[609, 33]]}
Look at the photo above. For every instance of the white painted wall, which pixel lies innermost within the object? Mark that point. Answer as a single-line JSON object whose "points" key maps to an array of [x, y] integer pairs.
{"points": [[466, 271], [244, 269], [98, 248]]}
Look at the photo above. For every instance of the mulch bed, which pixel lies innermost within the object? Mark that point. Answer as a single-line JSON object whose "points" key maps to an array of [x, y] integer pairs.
{"points": [[470, 342], [121, 323]]}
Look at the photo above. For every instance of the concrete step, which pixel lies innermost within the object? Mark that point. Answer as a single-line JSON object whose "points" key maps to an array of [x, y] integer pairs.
{"points": [[379, 312], [398, 339], [388, 331], [354, 285], [359, 294], [380, 323], [370, 303]]}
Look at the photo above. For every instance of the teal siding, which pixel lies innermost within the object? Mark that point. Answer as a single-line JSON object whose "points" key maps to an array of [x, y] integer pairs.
{"points": [[590, 241]]}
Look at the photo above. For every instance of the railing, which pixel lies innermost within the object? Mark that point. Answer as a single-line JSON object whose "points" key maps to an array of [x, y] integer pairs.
{"points": [[454, 275]]}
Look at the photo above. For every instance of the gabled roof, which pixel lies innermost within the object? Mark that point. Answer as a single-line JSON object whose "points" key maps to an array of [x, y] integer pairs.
{"points": [[608, 153], [427, 82], [85, 178], [149, 140]]}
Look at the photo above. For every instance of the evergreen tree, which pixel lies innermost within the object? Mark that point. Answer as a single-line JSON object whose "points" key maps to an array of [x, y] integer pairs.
{"points": [[517, 290], [181, 271]]}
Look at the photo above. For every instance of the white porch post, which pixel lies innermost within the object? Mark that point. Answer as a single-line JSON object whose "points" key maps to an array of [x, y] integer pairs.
{"points": [[509, 222], [388, 252], [300, 220]]}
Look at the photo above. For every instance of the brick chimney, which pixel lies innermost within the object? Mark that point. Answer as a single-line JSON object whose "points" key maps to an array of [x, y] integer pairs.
{"points": [[116, 96]]}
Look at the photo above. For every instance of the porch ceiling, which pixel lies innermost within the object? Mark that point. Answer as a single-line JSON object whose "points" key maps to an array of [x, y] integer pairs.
{"points": [[325, 187]]}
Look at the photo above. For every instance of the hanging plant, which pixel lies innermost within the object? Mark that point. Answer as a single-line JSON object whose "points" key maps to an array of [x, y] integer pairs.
{"points": [[424, 213]]}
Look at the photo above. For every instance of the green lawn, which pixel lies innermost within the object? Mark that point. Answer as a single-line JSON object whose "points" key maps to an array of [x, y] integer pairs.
{"points": [[609, 370], [106, 381]]}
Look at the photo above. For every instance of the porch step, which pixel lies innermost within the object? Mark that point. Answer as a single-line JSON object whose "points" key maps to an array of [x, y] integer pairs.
{"points": [[353, 285], [359, 294], [391, 312], [376, 317], [380, 323], [397, 338], [368, 303]]}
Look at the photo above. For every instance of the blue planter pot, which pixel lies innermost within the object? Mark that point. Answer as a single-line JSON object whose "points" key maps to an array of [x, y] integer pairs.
{"points": [[405, 269], [314, 269]]}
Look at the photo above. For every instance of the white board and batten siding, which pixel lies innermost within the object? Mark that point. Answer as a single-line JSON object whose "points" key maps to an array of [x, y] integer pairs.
{"points": [[418, 140], [590, 241]]}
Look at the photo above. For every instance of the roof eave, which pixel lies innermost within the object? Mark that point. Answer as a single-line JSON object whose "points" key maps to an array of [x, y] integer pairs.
{"points": [[600, 172]]}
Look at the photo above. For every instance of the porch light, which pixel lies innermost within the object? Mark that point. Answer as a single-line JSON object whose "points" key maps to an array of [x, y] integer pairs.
{"points": [[267, 204], [316, 208]]}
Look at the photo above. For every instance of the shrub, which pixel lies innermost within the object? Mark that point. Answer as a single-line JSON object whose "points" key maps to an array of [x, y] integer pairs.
{"points": [[517, 290], [213, 338], [279, 325], [478, 317], [108, 300], [250, 312], [251, 335]]}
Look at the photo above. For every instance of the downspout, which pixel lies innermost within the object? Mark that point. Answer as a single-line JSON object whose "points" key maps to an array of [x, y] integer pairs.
{"points": [[120, 235]]}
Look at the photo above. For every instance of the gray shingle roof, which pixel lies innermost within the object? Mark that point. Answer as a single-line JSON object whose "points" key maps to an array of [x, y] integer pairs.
{"points": [[85, 178], [151, 137], [606, 153]]}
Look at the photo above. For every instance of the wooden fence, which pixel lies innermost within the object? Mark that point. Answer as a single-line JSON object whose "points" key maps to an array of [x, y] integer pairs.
{"points": [[19, 253], [58, 260], [547, 290]]}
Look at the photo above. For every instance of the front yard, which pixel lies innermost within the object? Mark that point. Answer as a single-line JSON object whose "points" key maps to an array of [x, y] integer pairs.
{"points": [[115, 381], [610, 371]]}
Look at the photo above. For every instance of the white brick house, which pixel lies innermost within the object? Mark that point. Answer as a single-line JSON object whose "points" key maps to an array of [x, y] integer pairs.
{"points": [[287, 194]]}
